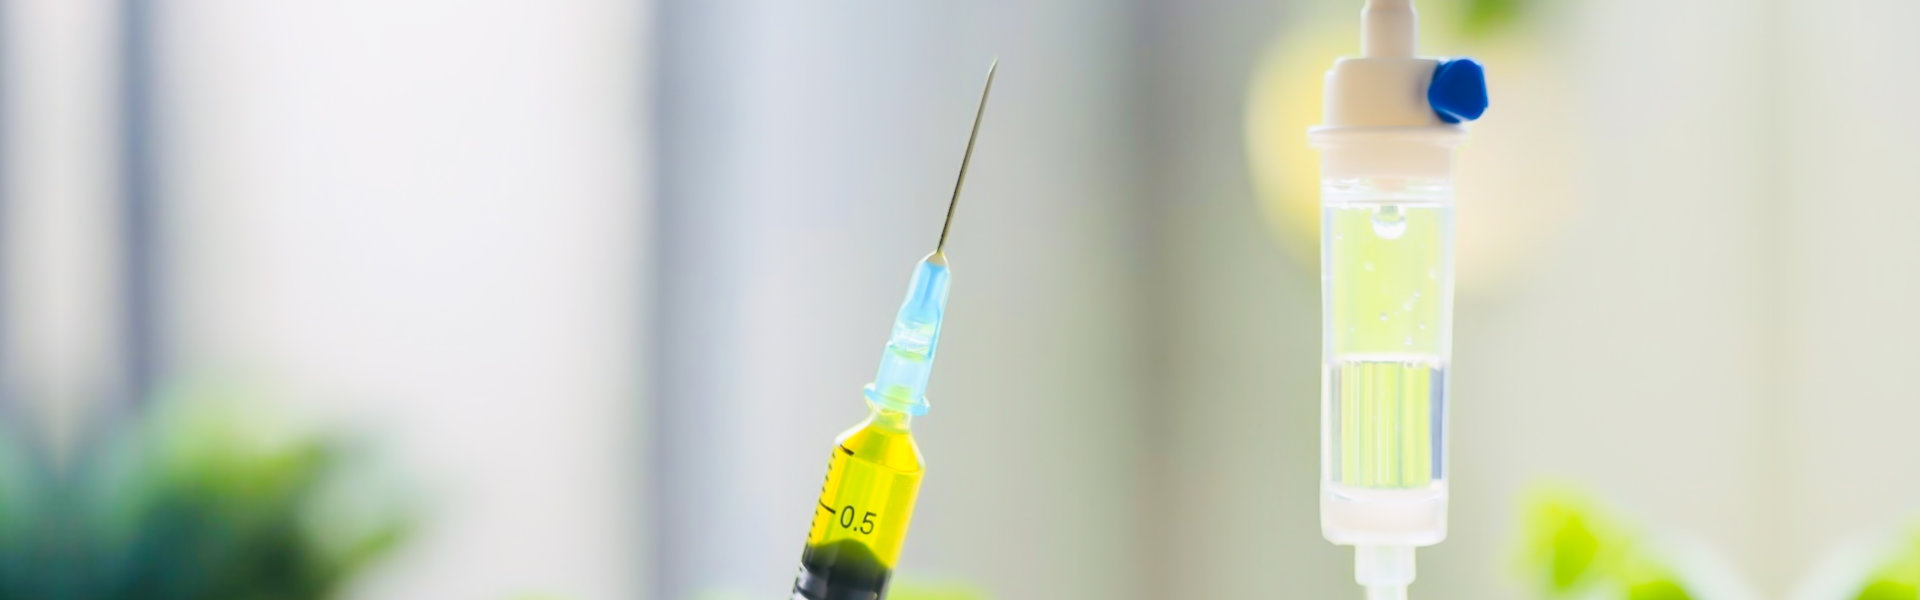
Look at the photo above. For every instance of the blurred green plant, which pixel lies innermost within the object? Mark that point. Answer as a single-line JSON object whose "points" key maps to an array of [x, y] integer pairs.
{"points": [[903, 590], [1481, 18], [205, 498], [929, 591], [1572, 548], [1899, 577], [24, 530]]}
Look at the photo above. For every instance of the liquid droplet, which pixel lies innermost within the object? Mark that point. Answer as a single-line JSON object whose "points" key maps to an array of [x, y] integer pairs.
{"points": [[1389, 222], [1383, 317], [1368, 266], [1409, 341]]}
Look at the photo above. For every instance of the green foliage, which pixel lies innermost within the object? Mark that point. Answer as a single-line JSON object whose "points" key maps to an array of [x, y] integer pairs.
{"points": [[1888, 590], [1898, 578], [26, 537], [1480, 18], [910, 591], [1573, 548], [898, 590], [203, 500], [1657, 590]]}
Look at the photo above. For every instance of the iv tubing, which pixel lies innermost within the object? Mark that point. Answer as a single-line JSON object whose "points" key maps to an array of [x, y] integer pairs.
{"points": [[1387, 29]]}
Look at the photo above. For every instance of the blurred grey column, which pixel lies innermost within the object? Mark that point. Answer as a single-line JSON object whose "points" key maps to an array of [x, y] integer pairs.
{"points": [[9, 408], [138, 207], [808, 150], [58, 97], [1242, 331]]}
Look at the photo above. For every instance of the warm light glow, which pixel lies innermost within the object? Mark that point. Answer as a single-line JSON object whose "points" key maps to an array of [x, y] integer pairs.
{"points": [[1513, 180]]}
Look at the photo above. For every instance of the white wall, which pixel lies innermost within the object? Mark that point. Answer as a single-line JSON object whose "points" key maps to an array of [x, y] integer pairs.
{"points": [[1850, 273], [425, 220]]}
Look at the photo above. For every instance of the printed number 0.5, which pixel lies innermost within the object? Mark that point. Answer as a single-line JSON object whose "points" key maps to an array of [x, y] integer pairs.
{"points": [[866, 521]]}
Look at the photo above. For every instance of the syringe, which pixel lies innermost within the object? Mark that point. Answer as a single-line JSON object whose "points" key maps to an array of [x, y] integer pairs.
{"points": [[874, 474], [1390, 127]]}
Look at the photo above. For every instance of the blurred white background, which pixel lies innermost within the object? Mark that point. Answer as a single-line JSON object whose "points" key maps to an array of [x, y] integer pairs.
{"points": [[425, 221], [607, 276]]}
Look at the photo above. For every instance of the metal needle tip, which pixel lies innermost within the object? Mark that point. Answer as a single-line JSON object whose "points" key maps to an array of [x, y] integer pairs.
{"points": [[968, 157]]}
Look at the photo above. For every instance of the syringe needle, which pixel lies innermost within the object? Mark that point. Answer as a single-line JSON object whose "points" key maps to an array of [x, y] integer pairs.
{"points": [[967, 158]]}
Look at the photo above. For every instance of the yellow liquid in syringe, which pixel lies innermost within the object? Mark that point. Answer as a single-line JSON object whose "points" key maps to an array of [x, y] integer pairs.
{"points": [[861, 517]]}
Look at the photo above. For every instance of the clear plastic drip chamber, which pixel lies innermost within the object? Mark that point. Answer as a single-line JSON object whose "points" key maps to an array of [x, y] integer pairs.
{"points": [[1387, 287]]}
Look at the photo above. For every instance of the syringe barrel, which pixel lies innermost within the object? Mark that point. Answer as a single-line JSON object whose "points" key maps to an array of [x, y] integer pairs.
{"points": [[1387, 299]]}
